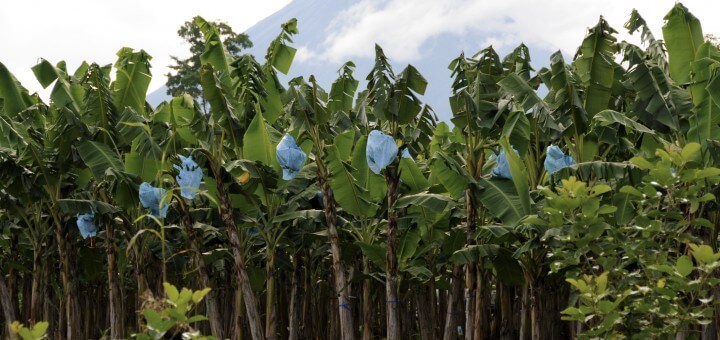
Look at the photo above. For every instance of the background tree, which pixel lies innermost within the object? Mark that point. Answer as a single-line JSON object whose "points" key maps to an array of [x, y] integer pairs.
{"points": [[186, 77]]}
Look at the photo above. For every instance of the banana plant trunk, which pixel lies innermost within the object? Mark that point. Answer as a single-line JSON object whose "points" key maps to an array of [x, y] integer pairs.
{"points": [[391, 275], [508, 315], [35, 296], [141, 284], [71, 324], [12, 280], [251, 306], [451, 321], [211, 299], [347, 330], [117, 326], [294, 319], [470, 268], [424, 307], [367, 302], [270, 310], [535, 318], [238, 319], [483, 304], [525, 315], [7, 304]]}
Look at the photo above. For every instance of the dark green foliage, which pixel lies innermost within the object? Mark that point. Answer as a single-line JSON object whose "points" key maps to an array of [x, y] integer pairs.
{"points": [[186, 75]]}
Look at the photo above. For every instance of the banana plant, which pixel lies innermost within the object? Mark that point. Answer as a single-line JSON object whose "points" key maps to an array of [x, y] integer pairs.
{"points": [[23, 216], [482, 115], [39, 141], [331, 145], [398, 113], [183, 117], [241, 94], [223, 142], [109, 111], [475, 92]]}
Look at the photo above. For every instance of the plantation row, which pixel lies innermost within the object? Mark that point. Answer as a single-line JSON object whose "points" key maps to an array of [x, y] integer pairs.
{"points": [[292, 212]]}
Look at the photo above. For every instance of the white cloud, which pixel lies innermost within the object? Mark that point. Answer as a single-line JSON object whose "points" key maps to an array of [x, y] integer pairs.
{"points": [[303, 54], [94, 31], [402, 27]]}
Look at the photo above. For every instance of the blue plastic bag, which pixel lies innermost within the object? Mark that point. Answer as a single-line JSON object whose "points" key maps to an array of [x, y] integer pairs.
{"points": [[556, 159], [189, 178], [502, 167], [86, 224], [381, 151], [290, 157], [151, 199]]}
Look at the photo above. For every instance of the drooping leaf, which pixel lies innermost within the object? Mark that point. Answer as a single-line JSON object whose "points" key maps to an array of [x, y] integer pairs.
{"points": [[257, 143], [595, 66], [518, 62], [216, 54], [279, 54], [179, 111], [564, 96], [475, 90], [520, 177], [63, 93], [99, 158], [374, 184], [607, 117], [131, 80], [374, 252], [135, 131], [528, 98], [705, 118], [653, 105], [79, 206], [452, 176], [301, 215], [15, 97], [407, 247], [412, 176], [517, 129], [348, 194], [145, 168], [587, 171], [223, 107], [683, 35], [343, 90], [433, 202], [655, 48], [403, 100], [500, 198], [14, 135], [474, 253]]}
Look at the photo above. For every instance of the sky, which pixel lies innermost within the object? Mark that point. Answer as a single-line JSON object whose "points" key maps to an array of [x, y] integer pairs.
{"points": [[401, 26], [94, 30]]}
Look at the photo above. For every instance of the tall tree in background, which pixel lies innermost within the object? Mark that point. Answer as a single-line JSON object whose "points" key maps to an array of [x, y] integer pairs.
{"points": [[186, 77]]}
